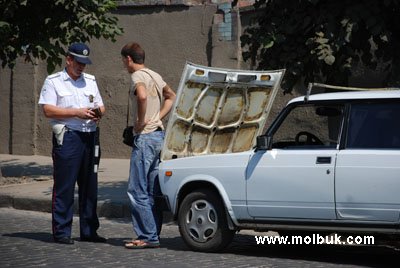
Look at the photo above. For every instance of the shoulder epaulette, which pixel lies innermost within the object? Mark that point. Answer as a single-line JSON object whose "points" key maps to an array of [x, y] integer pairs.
{"points": [[54, 75], [89, 76]]}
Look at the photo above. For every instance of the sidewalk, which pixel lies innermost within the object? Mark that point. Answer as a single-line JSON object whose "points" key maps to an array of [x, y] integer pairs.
{"points": [[36, 195]]}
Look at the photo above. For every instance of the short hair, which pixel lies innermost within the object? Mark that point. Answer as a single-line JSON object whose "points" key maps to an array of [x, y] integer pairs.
{"points": [[135, 51]]}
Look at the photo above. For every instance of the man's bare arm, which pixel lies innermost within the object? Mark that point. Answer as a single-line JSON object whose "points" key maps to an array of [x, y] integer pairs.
{"points": [[169, 98], [141, 97]]}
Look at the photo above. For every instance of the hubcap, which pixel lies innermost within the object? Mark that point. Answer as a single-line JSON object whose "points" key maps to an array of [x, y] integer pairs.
{"points": [[201, 221]]}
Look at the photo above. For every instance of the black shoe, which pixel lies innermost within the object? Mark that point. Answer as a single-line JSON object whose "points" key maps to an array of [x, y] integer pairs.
{"points": [[64, 240], [95, 239]]}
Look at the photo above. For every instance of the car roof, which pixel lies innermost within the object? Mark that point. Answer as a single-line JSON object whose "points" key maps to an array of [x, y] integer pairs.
{"points": [[350, 95]]}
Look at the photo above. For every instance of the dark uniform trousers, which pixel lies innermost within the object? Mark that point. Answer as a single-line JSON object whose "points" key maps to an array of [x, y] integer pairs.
{"points": [[73, 162]]}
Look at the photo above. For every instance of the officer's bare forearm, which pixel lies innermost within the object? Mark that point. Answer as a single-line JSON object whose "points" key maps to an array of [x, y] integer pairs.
{"points": [[55, 112]]}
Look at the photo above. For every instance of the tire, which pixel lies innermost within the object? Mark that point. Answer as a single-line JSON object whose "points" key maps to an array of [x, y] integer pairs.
{"points": [[203, 222]]}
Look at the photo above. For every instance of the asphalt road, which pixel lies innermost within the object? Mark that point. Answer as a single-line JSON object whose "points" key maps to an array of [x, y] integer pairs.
{"points": [[25, 241]]}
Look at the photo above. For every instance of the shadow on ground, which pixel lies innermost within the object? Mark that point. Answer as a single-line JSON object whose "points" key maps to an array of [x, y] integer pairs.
{"points": [[244, 245], [38, 236], [12, 168], [369, 256]]}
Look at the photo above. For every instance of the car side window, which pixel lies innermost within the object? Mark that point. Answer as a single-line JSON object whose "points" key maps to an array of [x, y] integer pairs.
{"points": [[310, 126], [374, 126]]}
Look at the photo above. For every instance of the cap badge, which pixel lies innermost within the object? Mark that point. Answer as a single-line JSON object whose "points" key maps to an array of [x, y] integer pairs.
{"points": [[85, 52]]}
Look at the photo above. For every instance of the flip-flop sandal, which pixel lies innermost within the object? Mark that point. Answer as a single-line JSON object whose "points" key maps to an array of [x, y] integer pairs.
{"points": [[135, 241], [140, 244]]}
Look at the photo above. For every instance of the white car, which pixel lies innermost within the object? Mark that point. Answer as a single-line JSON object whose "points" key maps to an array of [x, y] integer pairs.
{"points": [[329, 162]]}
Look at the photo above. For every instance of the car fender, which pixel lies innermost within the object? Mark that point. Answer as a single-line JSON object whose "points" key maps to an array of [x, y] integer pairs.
{"points": [[207, 179]]}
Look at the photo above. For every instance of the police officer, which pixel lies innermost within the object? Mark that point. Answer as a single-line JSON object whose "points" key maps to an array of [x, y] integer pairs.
{"points": [[71, 99]]}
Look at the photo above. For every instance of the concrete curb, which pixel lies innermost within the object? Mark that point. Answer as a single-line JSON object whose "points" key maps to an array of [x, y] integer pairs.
{"points": [[112, 199], [107, 209]]}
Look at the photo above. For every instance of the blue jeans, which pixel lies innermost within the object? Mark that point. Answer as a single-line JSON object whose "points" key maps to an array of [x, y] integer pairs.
{"points": [[143, 186]]}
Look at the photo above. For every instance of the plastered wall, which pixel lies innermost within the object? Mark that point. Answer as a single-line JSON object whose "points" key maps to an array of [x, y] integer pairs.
{"points": [[170, 35]]}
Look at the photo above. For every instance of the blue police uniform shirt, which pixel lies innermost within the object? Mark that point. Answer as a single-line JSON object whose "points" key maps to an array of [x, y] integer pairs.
{"points": [[61, 90]]}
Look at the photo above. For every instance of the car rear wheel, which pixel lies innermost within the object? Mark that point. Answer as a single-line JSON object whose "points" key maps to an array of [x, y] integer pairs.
{"points": [[203, 222]]}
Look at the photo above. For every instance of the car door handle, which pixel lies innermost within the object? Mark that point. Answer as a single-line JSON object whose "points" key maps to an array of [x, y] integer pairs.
{"points": [[323, 160]]}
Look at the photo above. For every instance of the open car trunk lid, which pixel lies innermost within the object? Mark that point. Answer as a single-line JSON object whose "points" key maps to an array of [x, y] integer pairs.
{"points": [[219, 110]]}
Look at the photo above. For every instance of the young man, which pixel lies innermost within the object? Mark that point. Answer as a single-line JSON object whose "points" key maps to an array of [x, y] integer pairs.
{"points": [[152, 100], [69, 98]]}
